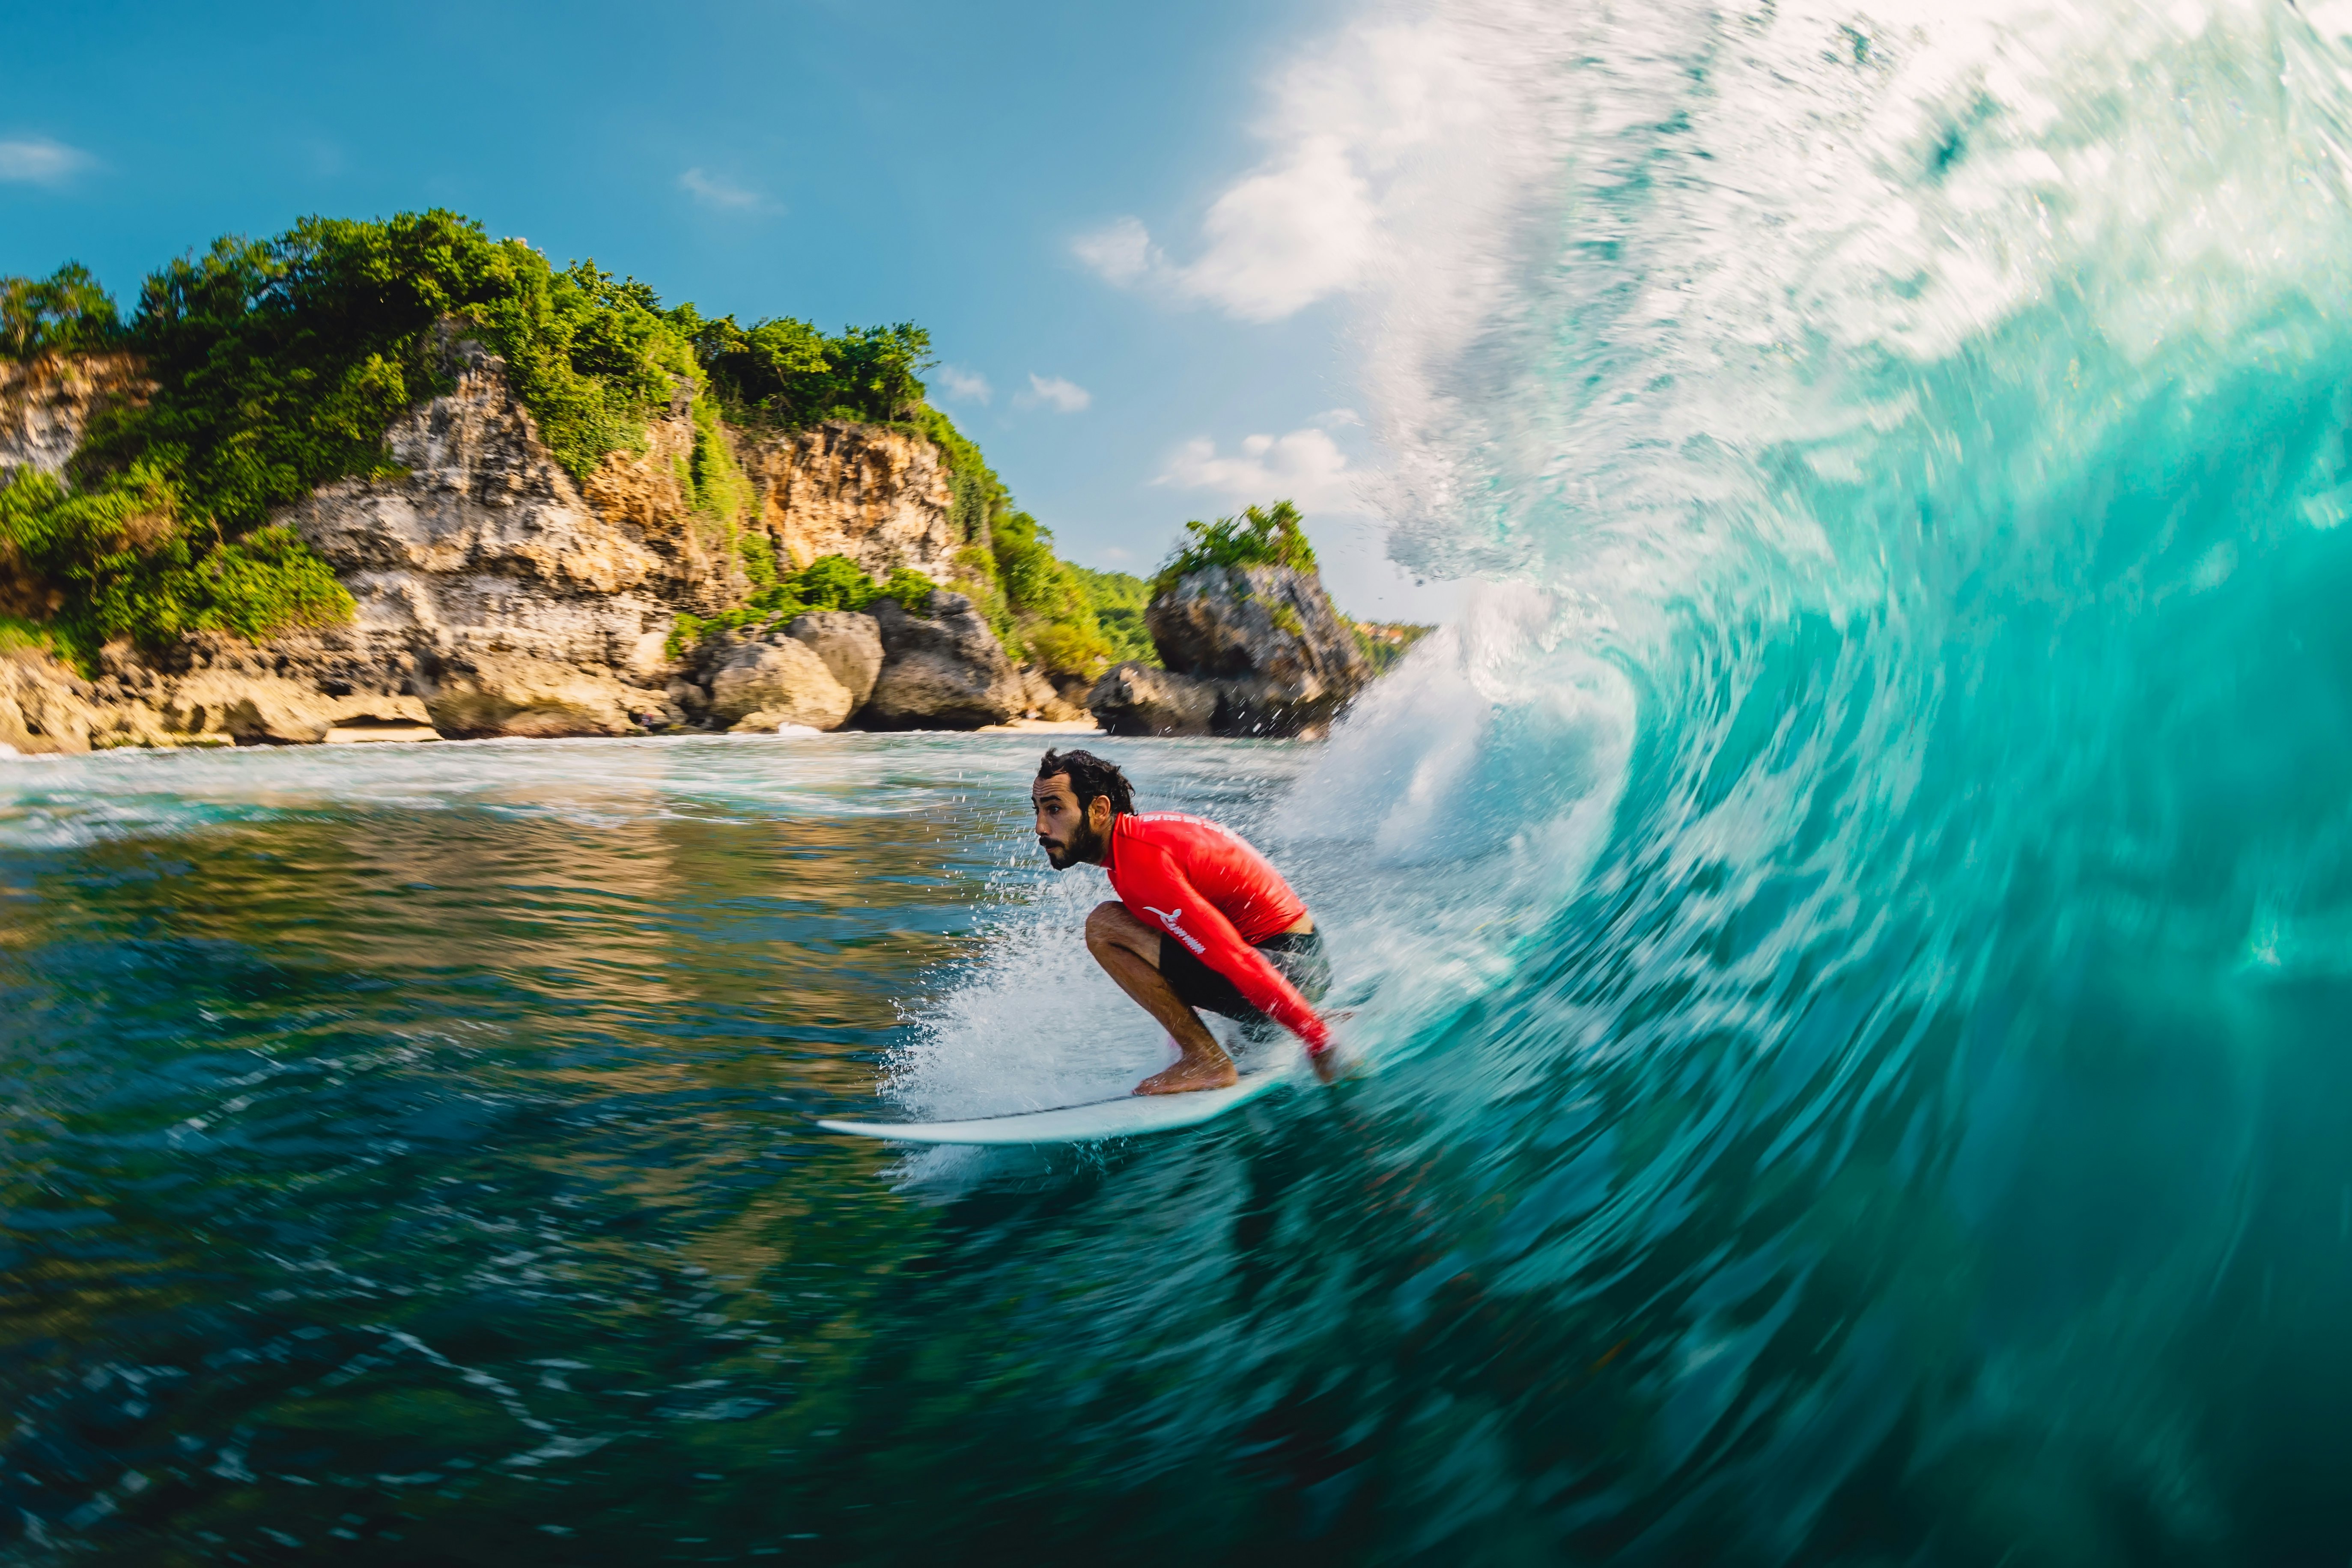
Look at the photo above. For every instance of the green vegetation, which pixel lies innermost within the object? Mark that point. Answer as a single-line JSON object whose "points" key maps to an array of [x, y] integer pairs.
{"points": [[827, 583], [1036, 602], [1261, 536], [1119, 601], [786, 372], [66, 313]]}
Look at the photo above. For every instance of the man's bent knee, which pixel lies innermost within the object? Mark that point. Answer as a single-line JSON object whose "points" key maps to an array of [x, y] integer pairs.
{"points": [[1109, 925]]}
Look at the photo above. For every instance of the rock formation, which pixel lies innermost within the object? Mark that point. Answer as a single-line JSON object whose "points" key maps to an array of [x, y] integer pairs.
{"points": [[849, 644], [944, 670], [878, 496], [495, 596], [780, 682], [1137, 700], [1259, 647]]}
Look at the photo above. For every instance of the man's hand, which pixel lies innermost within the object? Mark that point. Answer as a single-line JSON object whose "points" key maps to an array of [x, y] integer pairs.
{"points": [[1326, 1064]]}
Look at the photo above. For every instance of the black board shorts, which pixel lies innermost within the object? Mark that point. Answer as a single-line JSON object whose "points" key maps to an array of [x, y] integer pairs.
{"points": [[1298, 955]]}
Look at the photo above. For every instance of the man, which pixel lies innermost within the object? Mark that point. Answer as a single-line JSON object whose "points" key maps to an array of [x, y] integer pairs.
{"points": [[1202, 920]]}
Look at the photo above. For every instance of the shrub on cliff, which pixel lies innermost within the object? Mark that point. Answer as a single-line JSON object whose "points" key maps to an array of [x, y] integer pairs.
{"points": [[1036, 602], [1260, 536], [125, 568]]}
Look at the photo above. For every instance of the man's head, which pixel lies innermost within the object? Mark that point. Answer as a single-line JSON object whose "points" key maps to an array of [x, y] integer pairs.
{"points": [[1076, 794]]}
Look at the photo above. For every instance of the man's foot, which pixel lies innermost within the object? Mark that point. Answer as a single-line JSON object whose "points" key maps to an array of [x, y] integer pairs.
{"points": [[1210, 1069]]}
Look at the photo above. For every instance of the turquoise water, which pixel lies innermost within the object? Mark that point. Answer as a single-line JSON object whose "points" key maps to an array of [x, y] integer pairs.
{"points": [[1849, 939]]}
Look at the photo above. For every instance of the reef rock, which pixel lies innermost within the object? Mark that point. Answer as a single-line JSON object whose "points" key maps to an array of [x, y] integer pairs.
{"points": [[1134, 699], [944, 670], [781, 682], [1281, 659], [849, 644]]}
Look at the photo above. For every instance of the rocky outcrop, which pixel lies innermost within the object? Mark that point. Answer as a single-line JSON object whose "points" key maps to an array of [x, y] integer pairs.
{"points": [[848, 643], [943, 670], [496, 596], [222, 693], [43, 707], [483, 553], [1137, 700], [877, 495], [1264, 640], [480, 693], [780, 682]]}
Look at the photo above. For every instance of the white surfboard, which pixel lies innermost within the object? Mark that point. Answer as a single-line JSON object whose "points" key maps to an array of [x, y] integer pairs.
{"points": [[1127, 1117]]}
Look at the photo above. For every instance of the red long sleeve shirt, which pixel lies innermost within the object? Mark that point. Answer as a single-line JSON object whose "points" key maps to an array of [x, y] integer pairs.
{"points": [[1204, 886]]}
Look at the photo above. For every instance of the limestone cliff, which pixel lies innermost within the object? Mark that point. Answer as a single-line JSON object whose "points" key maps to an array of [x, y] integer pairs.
{"points": [[877, 495], [493, 594]]}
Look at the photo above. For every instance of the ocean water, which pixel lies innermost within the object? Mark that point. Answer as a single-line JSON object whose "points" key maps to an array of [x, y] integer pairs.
{"points": [[1850, 940]]}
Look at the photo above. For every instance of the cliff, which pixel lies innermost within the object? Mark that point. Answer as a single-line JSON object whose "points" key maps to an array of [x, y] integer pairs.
{"points": [[492, 594]]}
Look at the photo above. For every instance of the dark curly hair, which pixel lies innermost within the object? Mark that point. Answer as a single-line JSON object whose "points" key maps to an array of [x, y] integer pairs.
{"points": [[1090, 776]]}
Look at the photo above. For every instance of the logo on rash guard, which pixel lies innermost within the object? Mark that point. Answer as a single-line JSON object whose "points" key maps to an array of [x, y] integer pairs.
{"points": [[1168, 918]]}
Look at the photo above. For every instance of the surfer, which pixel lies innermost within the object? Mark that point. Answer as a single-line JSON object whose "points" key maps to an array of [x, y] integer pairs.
{"points": [[1200, 920]]}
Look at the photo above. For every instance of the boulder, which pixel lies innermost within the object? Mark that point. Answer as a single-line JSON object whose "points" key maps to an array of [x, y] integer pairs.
{"points": [[850, 645], [1045, 700], [254, 709], [1135, 699], [1282, 660], [784, 681], [43, 706], [480, 694], [945, 671]]}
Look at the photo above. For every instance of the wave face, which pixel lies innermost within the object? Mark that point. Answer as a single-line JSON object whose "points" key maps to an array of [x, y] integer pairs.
{"points": [[1893, 1108]]}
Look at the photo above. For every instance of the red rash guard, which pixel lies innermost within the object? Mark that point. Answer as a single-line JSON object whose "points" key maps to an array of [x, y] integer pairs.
{"points": [[1216, 895]]}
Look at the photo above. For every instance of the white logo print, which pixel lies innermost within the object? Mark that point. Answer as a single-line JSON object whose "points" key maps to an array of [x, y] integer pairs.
{"points": [[1169, 918]]}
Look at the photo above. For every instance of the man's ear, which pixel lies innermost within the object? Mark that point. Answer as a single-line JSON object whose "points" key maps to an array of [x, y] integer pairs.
{"points": [[1099, 814]]}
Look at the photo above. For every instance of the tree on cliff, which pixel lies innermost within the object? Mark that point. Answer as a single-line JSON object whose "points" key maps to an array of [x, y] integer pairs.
{"points": [[66, 313]]}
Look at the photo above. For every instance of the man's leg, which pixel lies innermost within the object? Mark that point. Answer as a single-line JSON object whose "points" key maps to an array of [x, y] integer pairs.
{"points": [[1130, 952]]}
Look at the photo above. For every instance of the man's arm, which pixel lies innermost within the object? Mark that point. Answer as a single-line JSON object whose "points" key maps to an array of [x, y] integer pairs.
{"points": [[1159, 894]]}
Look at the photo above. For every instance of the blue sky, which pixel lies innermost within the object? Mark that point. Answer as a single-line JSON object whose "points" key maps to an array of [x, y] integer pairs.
{"points": [[1109, 218]]}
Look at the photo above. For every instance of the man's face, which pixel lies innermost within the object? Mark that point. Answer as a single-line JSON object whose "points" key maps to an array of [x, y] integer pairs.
{"points": [[1067, 835]]}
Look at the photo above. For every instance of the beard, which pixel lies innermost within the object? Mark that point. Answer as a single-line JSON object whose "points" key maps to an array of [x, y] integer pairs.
{"points": [[1084, 844]]}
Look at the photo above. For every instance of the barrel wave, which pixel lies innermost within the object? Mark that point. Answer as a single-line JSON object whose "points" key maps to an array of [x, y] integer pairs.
{"points": [[1911, 1129], [1849, 943]]}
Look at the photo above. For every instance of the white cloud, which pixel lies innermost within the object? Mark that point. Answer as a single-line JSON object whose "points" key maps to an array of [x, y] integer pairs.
{"points": [[1121, 251], [1345, 128], [714, 191], [1062, 396], [1287, 235], [1331, 418], [1305, 467], [41, 161], [967, 384]]}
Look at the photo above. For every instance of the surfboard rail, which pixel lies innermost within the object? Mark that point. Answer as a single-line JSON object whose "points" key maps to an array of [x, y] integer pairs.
{"points": [[1128, 1116]]}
